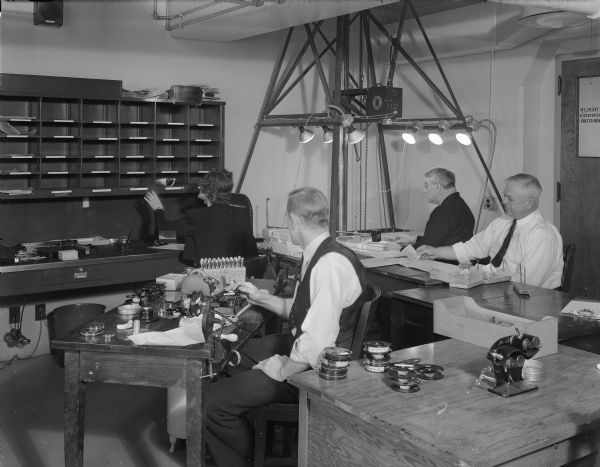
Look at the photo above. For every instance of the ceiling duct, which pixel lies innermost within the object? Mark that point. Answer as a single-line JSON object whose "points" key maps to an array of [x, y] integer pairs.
{"points": [[590, 8]]}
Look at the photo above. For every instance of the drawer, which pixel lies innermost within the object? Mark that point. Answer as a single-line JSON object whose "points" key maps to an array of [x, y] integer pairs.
{"points": [[78, 274]]}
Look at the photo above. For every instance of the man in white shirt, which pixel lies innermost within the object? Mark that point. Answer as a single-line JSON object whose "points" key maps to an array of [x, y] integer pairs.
{"points": [[323, 313], [521, 242]]}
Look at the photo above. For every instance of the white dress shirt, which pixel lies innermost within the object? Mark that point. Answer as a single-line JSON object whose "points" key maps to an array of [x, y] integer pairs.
{"points": [[535, 249], [334, 286]]}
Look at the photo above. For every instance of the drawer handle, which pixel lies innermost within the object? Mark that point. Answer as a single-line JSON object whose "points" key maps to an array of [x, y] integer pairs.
{"points": [[80, 275]]}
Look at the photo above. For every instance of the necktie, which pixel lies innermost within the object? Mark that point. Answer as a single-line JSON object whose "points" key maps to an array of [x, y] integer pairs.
{"points": [[502, 251]]}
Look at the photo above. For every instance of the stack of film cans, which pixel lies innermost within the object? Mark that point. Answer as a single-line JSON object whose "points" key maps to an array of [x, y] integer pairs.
{"points": [[335, 362], [406, 376], [376, 355], [403, 376]]}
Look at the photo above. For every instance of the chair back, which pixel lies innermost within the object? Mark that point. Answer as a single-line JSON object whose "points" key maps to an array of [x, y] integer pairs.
{"points": [[366, 312], [241, 200], [569, 262]]}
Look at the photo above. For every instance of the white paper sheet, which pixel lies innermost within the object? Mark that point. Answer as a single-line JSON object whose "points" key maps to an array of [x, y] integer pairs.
{"points": [[170, 246], [427, 265], [189, 332], [176, 337], [378, 262]]}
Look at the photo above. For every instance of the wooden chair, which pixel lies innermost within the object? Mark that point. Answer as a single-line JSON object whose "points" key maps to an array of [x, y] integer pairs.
{"points": [[569, 262], [286, 415]]}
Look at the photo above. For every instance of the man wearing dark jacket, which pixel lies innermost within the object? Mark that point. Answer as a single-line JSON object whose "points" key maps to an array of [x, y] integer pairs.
{"points": [[451, 221]]}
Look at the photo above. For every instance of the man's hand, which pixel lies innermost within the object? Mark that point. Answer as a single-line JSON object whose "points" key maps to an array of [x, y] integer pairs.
{"points": [[154, 201], [404, 238], [272, 367], [427, 252], [252, 293]]}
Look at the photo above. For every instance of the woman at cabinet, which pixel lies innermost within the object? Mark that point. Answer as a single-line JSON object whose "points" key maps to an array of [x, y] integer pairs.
{"points": [[212, 226]]}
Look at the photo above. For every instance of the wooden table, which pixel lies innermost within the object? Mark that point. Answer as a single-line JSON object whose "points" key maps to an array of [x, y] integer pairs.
{"points": [[119, 360], [360, 421], [416, 306]]}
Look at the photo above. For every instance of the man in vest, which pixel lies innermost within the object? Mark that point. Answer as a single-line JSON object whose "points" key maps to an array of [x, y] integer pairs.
{"points": [[323, 313]]}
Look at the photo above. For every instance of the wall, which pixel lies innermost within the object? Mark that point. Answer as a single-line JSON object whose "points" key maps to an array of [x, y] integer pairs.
{"points": [[37, 331], [512, 83], [120, 40]]}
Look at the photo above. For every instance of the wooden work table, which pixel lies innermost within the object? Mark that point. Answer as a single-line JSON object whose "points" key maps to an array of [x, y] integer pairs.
{"points": [[105, 265], [361, 421], [118, 360]]}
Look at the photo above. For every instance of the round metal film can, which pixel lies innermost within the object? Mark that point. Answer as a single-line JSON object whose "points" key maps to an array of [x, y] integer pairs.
{"points": [[338, 354], [377, 347]]}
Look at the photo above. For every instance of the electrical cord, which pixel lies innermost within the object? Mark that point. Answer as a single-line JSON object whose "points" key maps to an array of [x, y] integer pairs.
{"points": [[491, 127]]}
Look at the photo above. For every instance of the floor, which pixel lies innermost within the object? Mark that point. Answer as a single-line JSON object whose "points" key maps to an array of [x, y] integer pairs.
{"points": [[125, 425]]}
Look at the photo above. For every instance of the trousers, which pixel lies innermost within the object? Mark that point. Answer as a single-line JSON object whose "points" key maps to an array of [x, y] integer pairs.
{"points": [[229, 434]]}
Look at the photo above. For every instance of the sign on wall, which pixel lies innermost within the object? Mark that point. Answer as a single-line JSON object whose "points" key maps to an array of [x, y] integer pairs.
{"points": [[588, 118]]}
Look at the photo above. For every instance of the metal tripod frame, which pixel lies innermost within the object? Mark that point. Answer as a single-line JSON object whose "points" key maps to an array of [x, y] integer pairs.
{"points": [[342, 95]]}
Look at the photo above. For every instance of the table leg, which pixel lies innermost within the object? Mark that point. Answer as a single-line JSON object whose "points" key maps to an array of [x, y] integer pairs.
{"points": [[195, 413], [74, 411], [398, 325], [303, 429]]}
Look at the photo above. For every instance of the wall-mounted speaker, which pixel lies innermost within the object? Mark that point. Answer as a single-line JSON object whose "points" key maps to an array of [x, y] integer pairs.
{"points": [[48, 13]]}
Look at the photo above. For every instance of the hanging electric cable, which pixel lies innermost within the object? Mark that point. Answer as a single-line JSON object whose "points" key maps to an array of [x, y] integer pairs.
{"points": [[491, 127]]}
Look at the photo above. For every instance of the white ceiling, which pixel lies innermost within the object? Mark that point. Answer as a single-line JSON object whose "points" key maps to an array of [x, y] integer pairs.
{"points": [[215, 23]]}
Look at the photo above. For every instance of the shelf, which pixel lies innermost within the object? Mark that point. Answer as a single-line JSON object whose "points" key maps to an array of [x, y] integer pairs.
{"points": [[93, 144]]}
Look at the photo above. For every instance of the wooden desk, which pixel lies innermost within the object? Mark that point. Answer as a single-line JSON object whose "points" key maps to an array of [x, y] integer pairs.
{"points": [[360, 421], [105, 265], [119, 360], [416, 305]]}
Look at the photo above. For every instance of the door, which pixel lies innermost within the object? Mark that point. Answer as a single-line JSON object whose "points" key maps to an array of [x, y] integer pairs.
{"points": [[580, 176]]}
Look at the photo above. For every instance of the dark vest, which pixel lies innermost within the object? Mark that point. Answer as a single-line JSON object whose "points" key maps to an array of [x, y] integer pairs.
{"points": [[350, 314]]}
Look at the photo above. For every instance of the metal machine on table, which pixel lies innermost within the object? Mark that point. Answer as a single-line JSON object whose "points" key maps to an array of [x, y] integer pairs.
{"points": [[505, 375]]}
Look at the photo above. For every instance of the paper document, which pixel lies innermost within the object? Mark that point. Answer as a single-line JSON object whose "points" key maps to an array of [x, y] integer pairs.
{"points": [[427, 265], [170, 246], [582, 309], [409, 252], [378, 262], [189, 332]]}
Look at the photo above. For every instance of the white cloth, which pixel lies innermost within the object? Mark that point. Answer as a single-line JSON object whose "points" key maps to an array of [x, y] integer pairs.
{"points": [[535, 248], [334, 286]]}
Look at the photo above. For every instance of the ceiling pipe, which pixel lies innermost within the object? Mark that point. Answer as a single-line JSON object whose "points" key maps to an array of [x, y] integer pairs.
{"points": [[590, 8], [181, 14]]}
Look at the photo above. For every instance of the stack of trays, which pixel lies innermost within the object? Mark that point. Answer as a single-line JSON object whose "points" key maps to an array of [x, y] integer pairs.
{"points": [[335, 362], [376, 356]]}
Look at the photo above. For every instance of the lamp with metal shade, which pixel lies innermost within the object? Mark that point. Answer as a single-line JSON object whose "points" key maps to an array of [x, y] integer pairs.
{"points": [[327, 134], [409, 135], [355, 135], [305, 135], [464, 137], [437, 137]]}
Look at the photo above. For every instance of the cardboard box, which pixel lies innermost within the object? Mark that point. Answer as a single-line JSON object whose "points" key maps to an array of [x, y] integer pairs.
{"points": [[171, 280], [463, 319]]}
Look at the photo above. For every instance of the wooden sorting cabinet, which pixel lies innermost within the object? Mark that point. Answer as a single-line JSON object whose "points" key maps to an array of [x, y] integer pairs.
{"points": [[56, 143]]}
